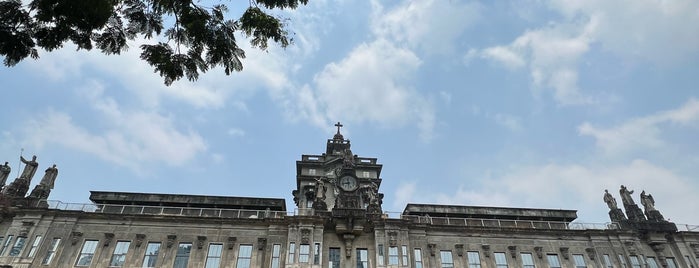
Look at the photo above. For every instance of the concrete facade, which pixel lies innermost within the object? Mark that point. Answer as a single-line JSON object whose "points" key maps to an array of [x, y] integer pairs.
{"points": [[339, 223]]}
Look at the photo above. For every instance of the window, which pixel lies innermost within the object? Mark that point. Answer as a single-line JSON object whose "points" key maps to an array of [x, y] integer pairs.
{"points": [[213, 258], [182, 257], [276, 252], [392, 255], [17, 248], [311, 171], [651, 262], [35, 246], [7, 244], [316, 253], [635, 263], [446, 259], [527, 260], [304, 252], [86, 253], [381, 254], [622, 261], [362, 258], [119, 255], [52, 251], [607, 261], [404, 255], [334, 258], [474, 259], [366, 174], [244, 256], [671, 262], [417, 256], [151, 257], [500, 260], [688, 261], [292, 252], [579, 261], [553, 261]]}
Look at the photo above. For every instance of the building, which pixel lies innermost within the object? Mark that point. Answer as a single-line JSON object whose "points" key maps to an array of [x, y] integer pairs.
{"points": [[338, 223]]}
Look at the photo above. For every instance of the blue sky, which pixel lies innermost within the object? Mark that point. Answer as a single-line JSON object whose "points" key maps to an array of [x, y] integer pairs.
{"points": [[496, 103]]}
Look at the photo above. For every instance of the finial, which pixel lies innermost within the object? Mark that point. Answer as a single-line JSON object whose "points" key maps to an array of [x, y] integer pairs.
{"points": [[338, 136], [338, 125]]}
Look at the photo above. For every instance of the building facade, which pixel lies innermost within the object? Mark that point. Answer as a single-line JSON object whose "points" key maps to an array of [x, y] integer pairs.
{"points": [[338, 223]]}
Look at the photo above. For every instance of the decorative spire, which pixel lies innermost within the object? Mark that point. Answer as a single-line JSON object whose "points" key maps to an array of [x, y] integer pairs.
{"points": [[338, 136]]}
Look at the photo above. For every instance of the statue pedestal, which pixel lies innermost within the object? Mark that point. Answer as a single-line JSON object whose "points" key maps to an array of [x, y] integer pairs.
{"points": [[616, 215], [634, 213], [654, 215]]}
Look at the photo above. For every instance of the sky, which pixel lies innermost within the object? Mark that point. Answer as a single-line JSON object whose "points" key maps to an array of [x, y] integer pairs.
{"points": [[540, 104]]}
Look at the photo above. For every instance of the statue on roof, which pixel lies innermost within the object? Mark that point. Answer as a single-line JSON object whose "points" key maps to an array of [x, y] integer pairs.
{"points": [[49, 177], [29, 168], [610, 200], [626, 196], [647, 202], [4, 173]]}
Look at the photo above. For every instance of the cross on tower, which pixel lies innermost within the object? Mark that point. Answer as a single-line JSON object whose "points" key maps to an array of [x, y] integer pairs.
{"points": [[338, 125]]}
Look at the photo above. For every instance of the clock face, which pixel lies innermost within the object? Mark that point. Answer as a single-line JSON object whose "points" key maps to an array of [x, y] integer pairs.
{"points": [[348, 183]]}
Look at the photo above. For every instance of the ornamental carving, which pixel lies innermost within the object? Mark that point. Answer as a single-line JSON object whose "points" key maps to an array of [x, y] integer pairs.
{"points": [[432, 248], [108, 237], [486, 250], [75, 237], [139, 240], [230, 243], [392, 238], [171, 240], [539, 252], [513, 251], [305, 236], [564, 252], [459, 248], [591, 253], [261, 243], [200, 241]]}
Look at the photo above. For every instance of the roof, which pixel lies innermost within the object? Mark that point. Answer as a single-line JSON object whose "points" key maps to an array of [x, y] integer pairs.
{"points": [[504, 213], [182, 200]]}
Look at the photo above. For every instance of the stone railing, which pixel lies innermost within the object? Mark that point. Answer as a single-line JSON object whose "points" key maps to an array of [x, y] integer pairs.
{"points": [[170, 211], [687, 228], [518, 224]]}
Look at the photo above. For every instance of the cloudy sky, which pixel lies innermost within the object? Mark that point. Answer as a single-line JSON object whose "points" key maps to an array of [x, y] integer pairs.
{"points": [[525, 103]]}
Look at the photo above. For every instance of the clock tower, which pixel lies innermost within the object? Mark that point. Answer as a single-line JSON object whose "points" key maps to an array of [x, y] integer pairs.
{"points": [[338, 182]]}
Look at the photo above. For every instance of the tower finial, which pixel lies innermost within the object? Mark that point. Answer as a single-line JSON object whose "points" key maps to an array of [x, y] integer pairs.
{"points": [[338, 136]]}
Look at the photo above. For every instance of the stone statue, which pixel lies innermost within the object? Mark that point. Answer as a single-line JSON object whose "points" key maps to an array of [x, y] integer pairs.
{"points": [[4, 173], [626, 196], [320, 189], [348, 159], [29, 168], [50, 177], [610, 200], [647, 202]]}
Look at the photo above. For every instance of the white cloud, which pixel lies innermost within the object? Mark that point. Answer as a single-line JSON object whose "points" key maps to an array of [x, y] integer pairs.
{"points": [[129, 138], [640, 133], [431, 25], [236, 132], [369, 85]]}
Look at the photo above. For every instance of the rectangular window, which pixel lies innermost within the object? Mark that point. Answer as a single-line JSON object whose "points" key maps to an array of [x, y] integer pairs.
{"points": [[366, 174], [607, 261], [19, 245], [579, 261], [362, 258], [527, 260], [6, 244], [35, 246], [474, 259], [651, 262], [622, 261], [119, 255], [553, 261], [311, 171], [635, 263], [276, 253], [404, 255], [671, 262], [151, 257], [86, 253], [500, 260], [213, 258], [381, 254], [304, 253], [392, 255], [417, 256], [52, 251], [334, 258], [446, 259], [182, 257], [316, 253], [292, 253], [688, 261], [244, 256]]}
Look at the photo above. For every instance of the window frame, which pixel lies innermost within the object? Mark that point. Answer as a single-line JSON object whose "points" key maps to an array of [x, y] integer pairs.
{"points": [[35, 245], [51, 252], [304, 253], [275, 262], [244, 259], [83, 252], [7, 243], [579, 261], [182, 258], [362, 258], [499, 257], [635, 262], [147, 257], [443, 254], [607, 261], [317, 250], [292, 253], [119, 246], [529, 257], [332, 254], [213, 261], [417, 257], [18, 246], [550, 257], [393, 256], [404, 255], [471, 262]]}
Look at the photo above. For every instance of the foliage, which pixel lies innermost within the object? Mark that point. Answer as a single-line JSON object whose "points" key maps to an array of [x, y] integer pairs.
{"points": [[198, 37]]}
